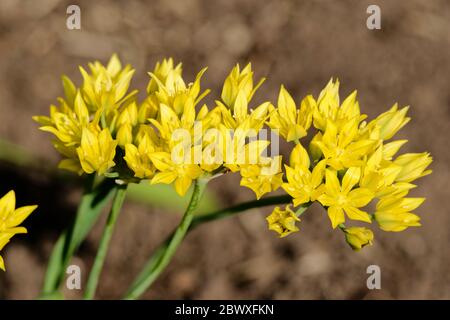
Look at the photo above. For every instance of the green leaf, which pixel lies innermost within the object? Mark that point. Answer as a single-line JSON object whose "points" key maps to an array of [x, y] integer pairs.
{"points": [[90, 208]]}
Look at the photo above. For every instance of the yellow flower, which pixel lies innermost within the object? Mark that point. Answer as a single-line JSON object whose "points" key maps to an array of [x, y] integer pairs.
{"points": [[180, 172], [282, 221], [238, 81], [329, 110], [358, 237], [10, 219], [237, 92], [303, 185], [96, 151], [291, 122], [163, 70], [239, 118], [339, 198], [377, 173], [174, 93], [413, 166], [95, 105], [394, 213], [264, 177], [343, 149], [138, 158], [390, 122], [64, 122], [105, 88]]}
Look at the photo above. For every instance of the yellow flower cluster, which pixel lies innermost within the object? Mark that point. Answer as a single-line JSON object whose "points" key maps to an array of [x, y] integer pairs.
{"points": [[171, 137], [10, 219], [168, 137], [349, 163]]}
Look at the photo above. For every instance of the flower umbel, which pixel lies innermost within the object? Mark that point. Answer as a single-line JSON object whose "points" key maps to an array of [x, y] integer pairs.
{"points": [[349, 163], [172, 137]]}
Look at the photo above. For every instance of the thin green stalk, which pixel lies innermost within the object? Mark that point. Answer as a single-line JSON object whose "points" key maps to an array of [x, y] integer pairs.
{"points": [[163, 255], [90, 207], [96, 270], [139, 285], [223, 213]]}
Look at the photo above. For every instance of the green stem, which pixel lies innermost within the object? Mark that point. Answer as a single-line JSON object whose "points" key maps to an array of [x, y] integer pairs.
{"points": [[92, 282], [164, 254], [92, 202], [222, 213], [139, 286]]}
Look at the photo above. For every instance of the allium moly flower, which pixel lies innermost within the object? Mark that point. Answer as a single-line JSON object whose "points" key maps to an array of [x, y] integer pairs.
{"points": [[237, 92], [283, 221], [413, 166], [240, 118], [358, 237], [343, 148], [162, 71], [379, 174], [390, 122], [303, 184], [94, 107], [173, 92], [138, 158], [394, 213], [169, 171], [355, 159], [10, 220], [344, 198], [96, 151], [291, 122], [239, 80], [263, 177], [105, 88], [329, 108]]}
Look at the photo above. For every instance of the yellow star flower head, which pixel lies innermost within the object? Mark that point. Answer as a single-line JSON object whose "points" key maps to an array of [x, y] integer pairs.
{"points": [[303, 185], [378, 174], [239, 116], [413, 166], [10, 219], [174, 92], [343, 149], [264, 177], [105, 88], [283, 221], [163, 71], [138, 158], [358, 237], [238, 81], [95, 107], [390, 122], [291, 122], [340, 198], [65, 122], [96, 151], [182, 173], [237, 92], [394, 213], [328, 108]]}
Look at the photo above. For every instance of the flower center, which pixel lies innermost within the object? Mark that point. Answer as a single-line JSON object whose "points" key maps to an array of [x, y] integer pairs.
{"points": [[341, 200]]}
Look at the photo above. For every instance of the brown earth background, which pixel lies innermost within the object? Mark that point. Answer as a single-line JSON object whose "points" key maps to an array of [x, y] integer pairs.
{"points": [[298, 43]]}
